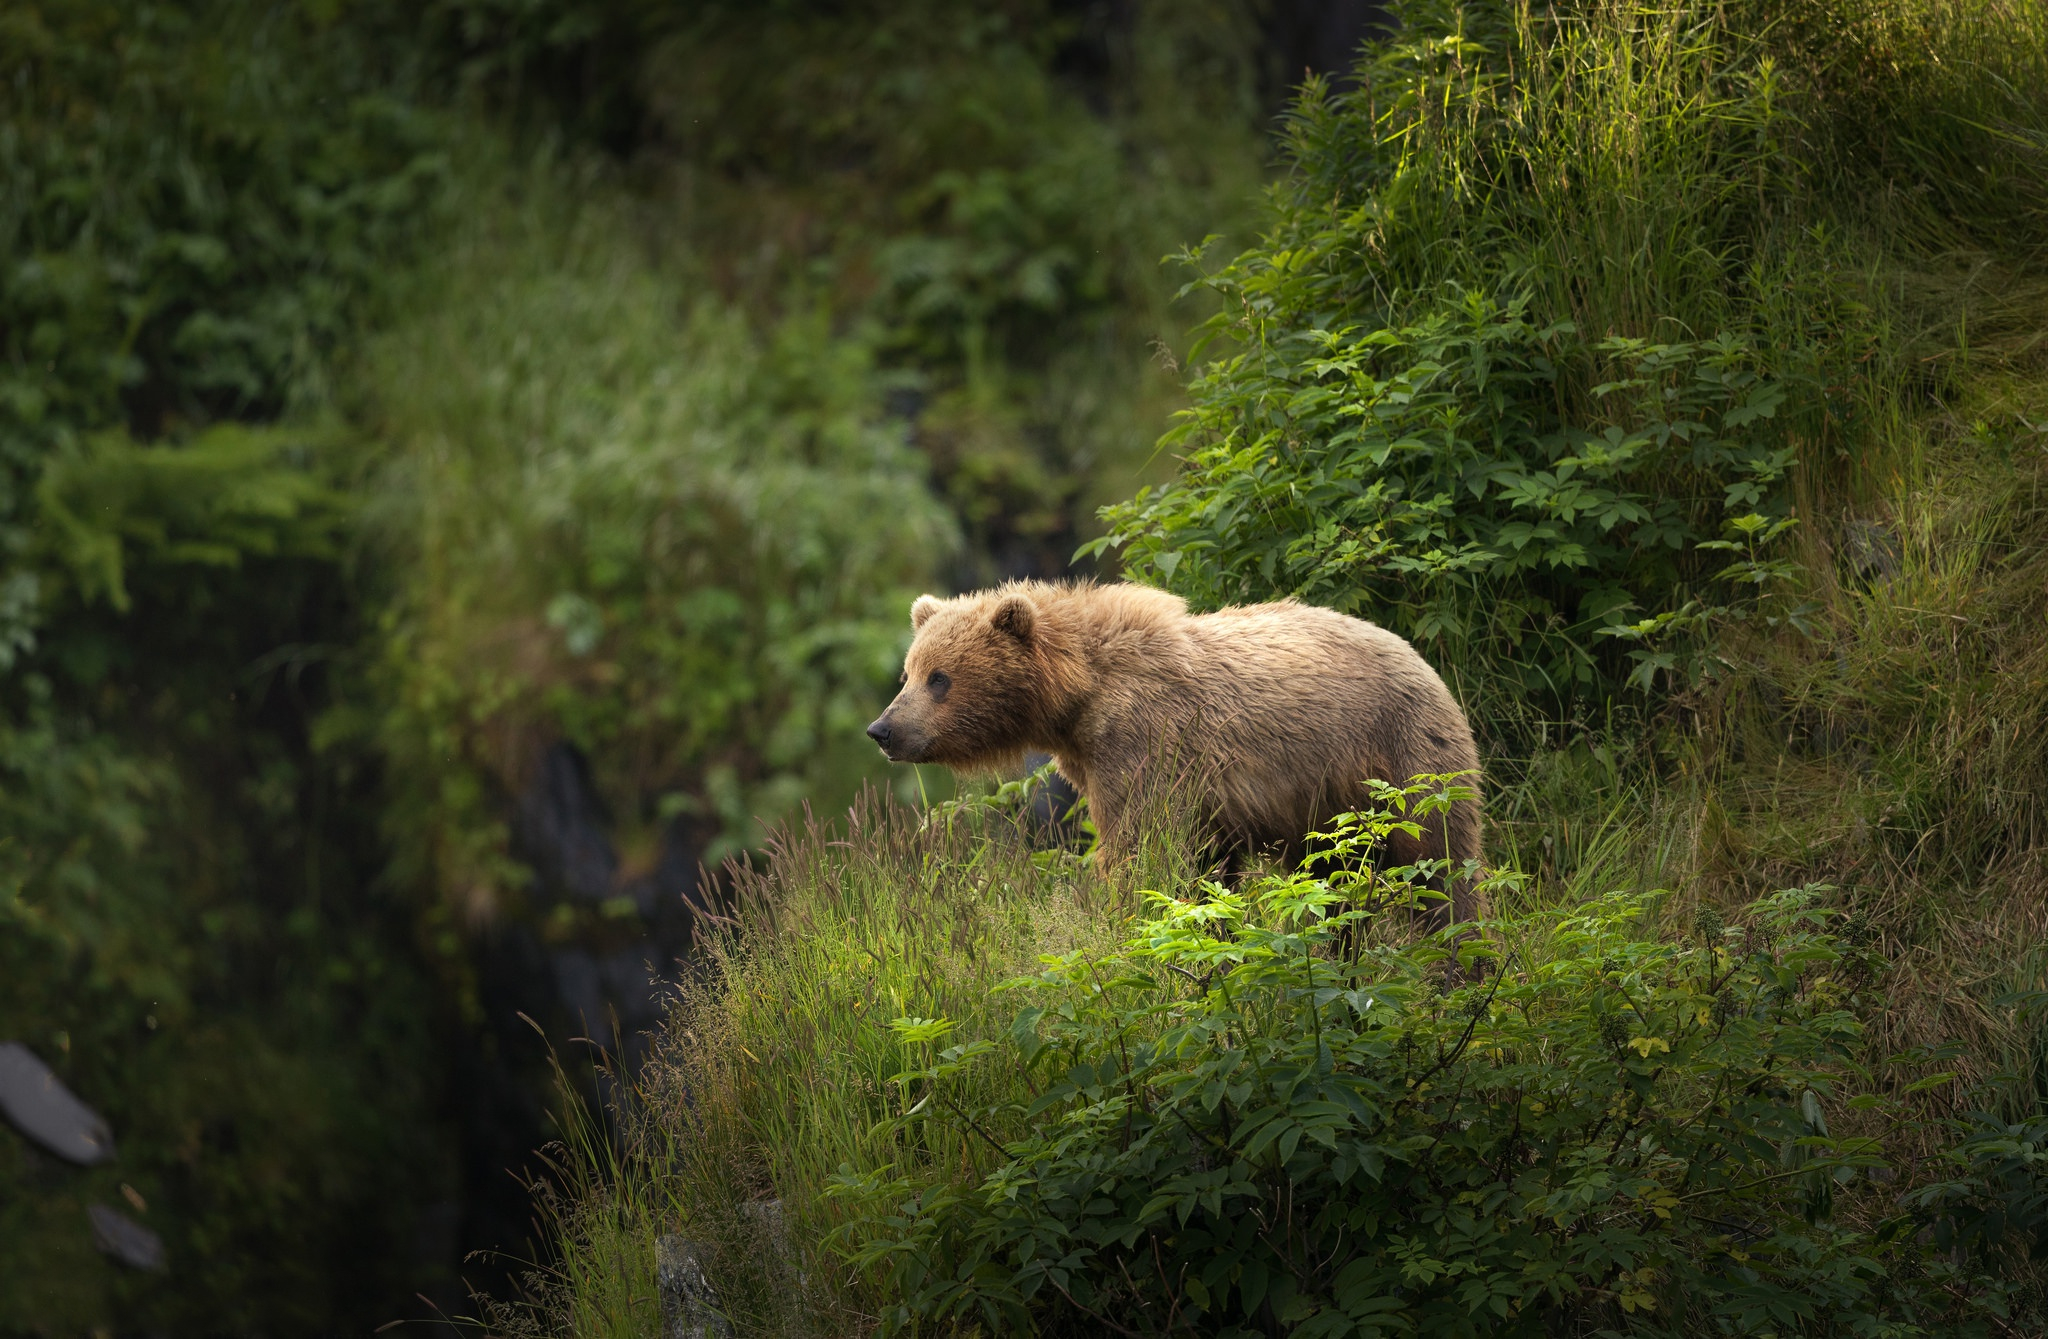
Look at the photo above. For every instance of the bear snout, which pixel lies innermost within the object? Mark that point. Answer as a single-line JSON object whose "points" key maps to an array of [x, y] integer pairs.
{"points": [[900, 743]]}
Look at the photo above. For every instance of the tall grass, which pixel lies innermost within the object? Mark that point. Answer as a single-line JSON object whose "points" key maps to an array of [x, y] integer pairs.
{"points": [[782, 1069], [774, 1071], [1866, 183]]}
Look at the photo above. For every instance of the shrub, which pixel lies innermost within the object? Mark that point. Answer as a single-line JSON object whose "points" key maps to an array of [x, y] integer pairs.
{"points": [[1530, 335], [1253, 1118], [621, 517], [1446, 487]]}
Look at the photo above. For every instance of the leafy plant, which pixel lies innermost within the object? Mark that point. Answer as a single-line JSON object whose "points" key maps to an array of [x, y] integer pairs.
{"points": [[987, 191], [1510, 353], [1251, 1118], [188, 244], [232, 495], [1425, 473], [198, 206]]}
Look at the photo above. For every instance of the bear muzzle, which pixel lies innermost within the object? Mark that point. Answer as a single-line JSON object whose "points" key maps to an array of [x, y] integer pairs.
{"points": [[897, 743]]}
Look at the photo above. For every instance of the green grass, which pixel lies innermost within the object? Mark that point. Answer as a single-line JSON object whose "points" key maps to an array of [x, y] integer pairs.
{"points": [[776, 1075], [776, 1064]]}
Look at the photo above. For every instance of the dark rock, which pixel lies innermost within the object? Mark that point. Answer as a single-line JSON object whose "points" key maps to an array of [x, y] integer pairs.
{"points": [[689, 1304], [633, 986], [42, 1108], [672, 884], [1323, 36], [538, 986], [1871, 548], [118, 1235], [561, 830], [502, 1084], [769, 1224], [597, 990], [579, 985]]}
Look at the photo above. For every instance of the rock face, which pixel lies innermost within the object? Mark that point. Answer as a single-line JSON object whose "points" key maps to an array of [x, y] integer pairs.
{"points": [[605, 982], [561, 830], [592, 954], [41, 1107], [118, 1235], [689, 1306]]}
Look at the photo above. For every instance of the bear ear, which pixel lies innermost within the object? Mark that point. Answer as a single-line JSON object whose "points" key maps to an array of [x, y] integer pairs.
{"points": [[921, 610], [1014, 615]]}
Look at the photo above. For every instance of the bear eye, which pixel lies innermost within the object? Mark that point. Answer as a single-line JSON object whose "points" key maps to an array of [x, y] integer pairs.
{"points": [[939, 682]]}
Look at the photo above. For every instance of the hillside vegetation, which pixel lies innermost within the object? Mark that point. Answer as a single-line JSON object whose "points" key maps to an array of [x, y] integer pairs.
{"points": [[461, 465], [1675, 377]]}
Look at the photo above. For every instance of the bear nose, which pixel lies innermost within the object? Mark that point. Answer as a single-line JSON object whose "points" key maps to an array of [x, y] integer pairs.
{"points": [[879, 731]]}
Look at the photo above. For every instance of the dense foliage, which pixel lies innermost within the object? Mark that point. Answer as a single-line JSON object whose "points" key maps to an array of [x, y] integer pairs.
{"points": [[697, 576], [428, 433], [1274, 1109], [1248, 1118], [654, 458], [197, 203], [989, 190], [1446, 490], [1552, 303], [1603, 348], [393, 396]]}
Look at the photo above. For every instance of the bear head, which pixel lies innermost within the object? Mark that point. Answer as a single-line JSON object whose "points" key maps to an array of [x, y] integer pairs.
{"points": [[988, 677]]}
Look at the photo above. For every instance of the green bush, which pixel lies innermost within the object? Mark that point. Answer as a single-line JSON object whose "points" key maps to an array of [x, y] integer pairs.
{"points": [[195, 209], [231, 495], [1425, 471], [989, 190], [1534, 324], [618, 515], [1259, 1116]]}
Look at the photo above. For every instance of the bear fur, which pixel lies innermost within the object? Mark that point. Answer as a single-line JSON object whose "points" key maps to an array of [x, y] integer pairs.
{"points": [[1280, 711]]}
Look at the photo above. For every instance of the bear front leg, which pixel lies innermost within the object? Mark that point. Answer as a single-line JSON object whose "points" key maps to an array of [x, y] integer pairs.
{"points": [[1108, 810], [1452, 837]]}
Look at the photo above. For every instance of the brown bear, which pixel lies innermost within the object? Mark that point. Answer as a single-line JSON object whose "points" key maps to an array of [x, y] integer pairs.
{"points": [[1282, 711]]}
